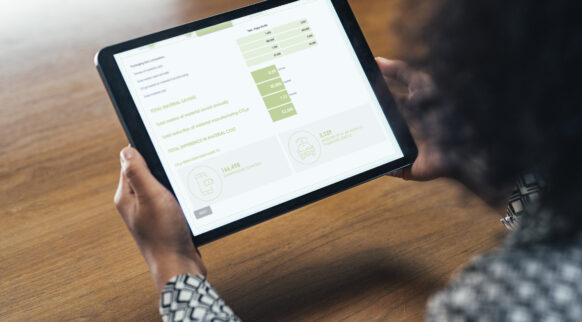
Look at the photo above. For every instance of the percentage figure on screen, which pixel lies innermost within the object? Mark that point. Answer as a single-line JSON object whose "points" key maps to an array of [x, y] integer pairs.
{"points": [[288, 110]]}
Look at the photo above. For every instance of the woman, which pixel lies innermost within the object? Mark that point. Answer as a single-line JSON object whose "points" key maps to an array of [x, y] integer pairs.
{"points": [[500, 104]]}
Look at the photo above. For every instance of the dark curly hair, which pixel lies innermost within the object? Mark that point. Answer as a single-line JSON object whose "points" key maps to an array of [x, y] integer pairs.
{"points": [[509, 96]]}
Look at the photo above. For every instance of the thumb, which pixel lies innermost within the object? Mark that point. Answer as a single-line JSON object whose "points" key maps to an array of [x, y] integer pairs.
{"points": [[137, 173], [394, 69]]}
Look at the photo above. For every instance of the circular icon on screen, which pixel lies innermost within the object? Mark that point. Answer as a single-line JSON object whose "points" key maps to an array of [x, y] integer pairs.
{"points": [[304, 147], [204, 183]]}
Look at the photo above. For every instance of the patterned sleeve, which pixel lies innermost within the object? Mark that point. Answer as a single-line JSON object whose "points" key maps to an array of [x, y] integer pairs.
{"points": [[192, 298], [540, 283], [527, 191]]}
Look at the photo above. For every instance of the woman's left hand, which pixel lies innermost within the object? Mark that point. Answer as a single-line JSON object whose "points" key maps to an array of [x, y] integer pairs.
{"points": [[155, 221]]}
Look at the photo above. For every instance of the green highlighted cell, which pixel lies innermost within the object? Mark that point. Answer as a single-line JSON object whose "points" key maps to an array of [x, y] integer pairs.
{"points": [[265, 58], [297, 40], [254, 37], [265, 74], [257, 44], [291, 25], [282, 112], [263, 46], [277, 99], [293, 33], [270, 87], [274, 93], [300, 47], [267, 45], [261, 52], [214, 28]]}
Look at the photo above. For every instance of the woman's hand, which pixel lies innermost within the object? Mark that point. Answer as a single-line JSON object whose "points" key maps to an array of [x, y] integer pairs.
{"points": [[428, 164], [155, 221]]}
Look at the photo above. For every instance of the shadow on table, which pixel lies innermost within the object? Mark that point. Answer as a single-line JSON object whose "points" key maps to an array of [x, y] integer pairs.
{"points": [[356, 281]]}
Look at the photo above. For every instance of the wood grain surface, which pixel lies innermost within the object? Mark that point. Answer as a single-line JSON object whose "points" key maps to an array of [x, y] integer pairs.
{"points": [[375, 252]]}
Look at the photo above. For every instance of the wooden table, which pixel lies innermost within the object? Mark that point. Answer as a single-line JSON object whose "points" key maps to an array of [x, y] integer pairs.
{"points": [[375, 252]]}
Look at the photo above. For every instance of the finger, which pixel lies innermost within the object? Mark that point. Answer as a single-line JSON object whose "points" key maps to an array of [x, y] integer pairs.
{"points": [[123, 194], [395, 174], [407, 173], [394, 69], [137, 173], [403, 173], [400, 99]]}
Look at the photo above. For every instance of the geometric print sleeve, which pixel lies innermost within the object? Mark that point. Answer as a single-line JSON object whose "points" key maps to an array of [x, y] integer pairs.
{"points": [[541, 282], [513, 287], [192, 298], [526, 192]]}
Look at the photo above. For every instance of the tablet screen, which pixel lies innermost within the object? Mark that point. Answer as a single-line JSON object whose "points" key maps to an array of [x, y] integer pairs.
{"points": [[250, 113]]}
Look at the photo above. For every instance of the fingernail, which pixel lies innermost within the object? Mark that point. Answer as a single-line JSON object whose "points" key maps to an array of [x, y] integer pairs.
{"points": [[126, 154]]}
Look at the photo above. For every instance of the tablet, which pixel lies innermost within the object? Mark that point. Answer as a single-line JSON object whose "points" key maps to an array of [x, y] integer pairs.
{"points": [[252, 113]]}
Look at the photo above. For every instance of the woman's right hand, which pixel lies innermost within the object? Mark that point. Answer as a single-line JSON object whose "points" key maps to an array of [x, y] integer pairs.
{"points": [[429, 163]]}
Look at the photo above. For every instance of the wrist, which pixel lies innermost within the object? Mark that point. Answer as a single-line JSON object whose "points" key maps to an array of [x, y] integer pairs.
{"points": [[163, 266]]}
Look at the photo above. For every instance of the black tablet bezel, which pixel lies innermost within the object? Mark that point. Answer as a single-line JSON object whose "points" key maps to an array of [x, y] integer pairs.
{"points": [[139, 138]]}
